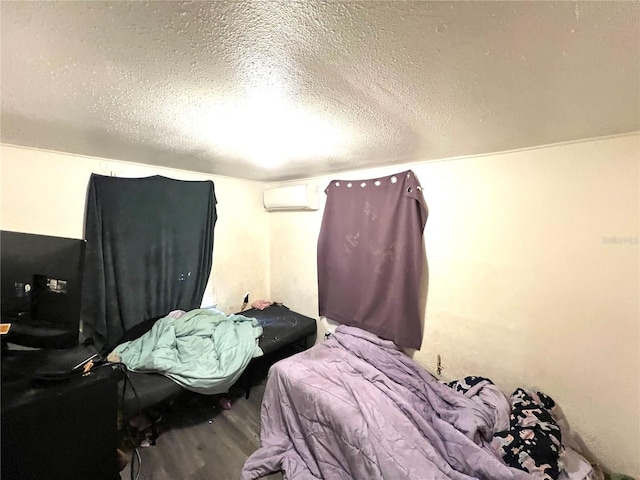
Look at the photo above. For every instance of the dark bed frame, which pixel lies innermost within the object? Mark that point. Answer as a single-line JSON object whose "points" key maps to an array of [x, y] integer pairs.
{"points": [[285, 332]]}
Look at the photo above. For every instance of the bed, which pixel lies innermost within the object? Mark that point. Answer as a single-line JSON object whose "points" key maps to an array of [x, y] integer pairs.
{"points": [[282, 329], [357, 407]]}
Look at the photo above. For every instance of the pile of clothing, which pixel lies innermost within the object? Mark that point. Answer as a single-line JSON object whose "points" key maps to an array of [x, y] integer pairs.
{"points": [[530, 432]]}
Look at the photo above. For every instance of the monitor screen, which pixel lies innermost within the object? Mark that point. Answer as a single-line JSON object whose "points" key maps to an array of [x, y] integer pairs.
{"points": [[41, 286]]}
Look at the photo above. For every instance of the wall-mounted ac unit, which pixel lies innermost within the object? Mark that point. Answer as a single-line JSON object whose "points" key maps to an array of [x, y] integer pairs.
{"points": [[292, 197]]}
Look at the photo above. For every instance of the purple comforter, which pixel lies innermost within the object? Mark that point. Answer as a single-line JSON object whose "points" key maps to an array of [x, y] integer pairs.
{"points": [[357, 407]]}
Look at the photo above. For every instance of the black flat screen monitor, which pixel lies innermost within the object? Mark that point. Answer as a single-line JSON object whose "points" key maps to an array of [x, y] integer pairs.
{"points": [[41, 283]]}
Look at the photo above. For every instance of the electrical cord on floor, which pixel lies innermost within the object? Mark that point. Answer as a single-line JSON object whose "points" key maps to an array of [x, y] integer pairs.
{"points": [[127, 380], [137, 454]]}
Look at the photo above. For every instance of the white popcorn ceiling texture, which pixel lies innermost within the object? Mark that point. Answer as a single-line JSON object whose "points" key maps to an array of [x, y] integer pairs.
{"points": [[282, 90]]}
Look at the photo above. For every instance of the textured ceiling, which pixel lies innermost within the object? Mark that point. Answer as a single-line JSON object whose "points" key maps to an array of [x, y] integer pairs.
{"points": [[281, 90]]}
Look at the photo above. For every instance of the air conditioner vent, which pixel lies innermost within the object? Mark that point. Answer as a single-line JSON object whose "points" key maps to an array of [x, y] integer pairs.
{"points": [[291, 197]]}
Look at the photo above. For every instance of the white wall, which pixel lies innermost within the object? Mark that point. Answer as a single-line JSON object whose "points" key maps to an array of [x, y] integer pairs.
{"points": [[525, 283], [526, 286], [45, 192]]}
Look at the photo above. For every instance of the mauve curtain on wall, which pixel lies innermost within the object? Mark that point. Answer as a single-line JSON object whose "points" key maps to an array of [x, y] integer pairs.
{"points": [[370, 256], [149, 251]]}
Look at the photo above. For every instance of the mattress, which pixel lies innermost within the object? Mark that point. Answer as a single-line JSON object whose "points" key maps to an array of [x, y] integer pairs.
{"points": [[281, 327]]}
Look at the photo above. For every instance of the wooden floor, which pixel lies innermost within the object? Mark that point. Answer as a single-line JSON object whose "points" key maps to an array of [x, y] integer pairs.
{"points": [[201, 441]]}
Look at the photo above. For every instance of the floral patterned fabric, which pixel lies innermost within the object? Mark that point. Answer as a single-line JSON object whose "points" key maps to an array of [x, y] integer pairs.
{"points": [[533, 442], [467, 383]]}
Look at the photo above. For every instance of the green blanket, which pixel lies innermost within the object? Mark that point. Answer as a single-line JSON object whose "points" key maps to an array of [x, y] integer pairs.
{"points": [[204, 351]]}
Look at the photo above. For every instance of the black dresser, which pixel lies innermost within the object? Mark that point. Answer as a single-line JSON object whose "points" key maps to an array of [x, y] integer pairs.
{"points": [[56, 426]]}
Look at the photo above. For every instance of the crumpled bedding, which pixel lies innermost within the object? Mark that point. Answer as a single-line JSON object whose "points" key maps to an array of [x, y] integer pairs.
{"points": [[482, 391], [356, 407], [203, 350], [533, 441], [531, 435]]}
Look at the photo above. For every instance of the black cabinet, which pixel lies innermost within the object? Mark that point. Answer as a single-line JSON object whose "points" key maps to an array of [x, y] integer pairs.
{"points": [[57, 428]]}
